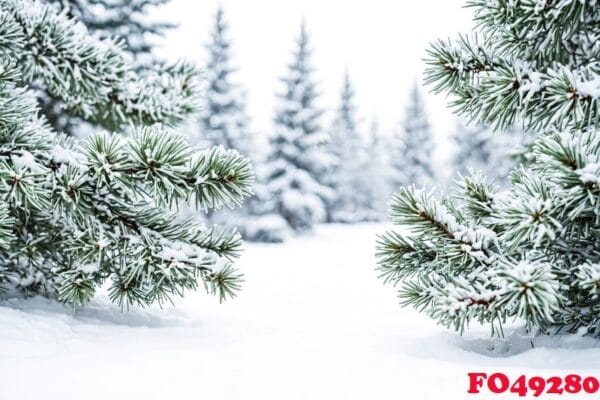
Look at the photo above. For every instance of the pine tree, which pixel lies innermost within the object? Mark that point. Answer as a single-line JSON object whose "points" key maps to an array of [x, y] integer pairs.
{"points": [[531, 253], [377, 172], [413, 146], [127, 20], [77, 215], [223, 118], [298, 159], [348, 175]]}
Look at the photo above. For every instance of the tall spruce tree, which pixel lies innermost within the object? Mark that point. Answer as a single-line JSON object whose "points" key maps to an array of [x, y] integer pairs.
{"points": [[398, 168], [77, 215], [223, 117], [413, 145], [377, 172], [418, 141], [298, 159], [531, 253], [348, 175]]}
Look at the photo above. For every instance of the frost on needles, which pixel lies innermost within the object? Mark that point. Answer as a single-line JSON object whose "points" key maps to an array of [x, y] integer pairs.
{"points": [[532, 252], [134, 22], [76, 215]]}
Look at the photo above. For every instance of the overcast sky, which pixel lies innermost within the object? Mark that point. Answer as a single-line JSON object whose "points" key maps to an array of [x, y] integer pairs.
{"points": [[381, 42]]}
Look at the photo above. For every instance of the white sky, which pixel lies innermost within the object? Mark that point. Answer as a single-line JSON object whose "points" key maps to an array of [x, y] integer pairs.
{"points": [[382, 42]]}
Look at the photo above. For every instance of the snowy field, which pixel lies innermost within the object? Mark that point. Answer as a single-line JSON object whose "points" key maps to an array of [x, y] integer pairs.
{"points": [[313, 322]]}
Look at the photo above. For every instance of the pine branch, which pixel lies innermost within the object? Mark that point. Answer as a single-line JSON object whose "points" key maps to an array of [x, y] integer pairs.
{"points": [[529, 252], [500, 92], [92, 76], [81, 214], [219, 178]]}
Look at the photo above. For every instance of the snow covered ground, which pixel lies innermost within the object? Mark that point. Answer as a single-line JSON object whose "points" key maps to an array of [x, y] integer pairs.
{"points": [[313, 322]]}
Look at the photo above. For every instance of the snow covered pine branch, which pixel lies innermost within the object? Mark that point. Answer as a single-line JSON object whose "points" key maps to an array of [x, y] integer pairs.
{"points": [[92, 77], [532, 252], [75, 215]]}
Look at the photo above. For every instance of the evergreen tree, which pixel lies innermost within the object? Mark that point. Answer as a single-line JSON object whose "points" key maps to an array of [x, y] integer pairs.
{"points": [[223, 118], [298, 159], [377, 171], [127, 20], [413, 146], [398, 168], [348, 176], [531, 253], [76, 215]]}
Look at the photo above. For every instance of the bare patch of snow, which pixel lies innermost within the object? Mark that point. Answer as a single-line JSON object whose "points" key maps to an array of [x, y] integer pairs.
{"points": [[313, 322]]}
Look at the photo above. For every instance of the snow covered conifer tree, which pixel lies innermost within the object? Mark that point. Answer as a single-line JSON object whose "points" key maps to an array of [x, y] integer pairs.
{"points": [[531, 253], [298, 157], [378, 171], [348, 176], [398, 174], [413, 145], [76, 215], [223, 118]]}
